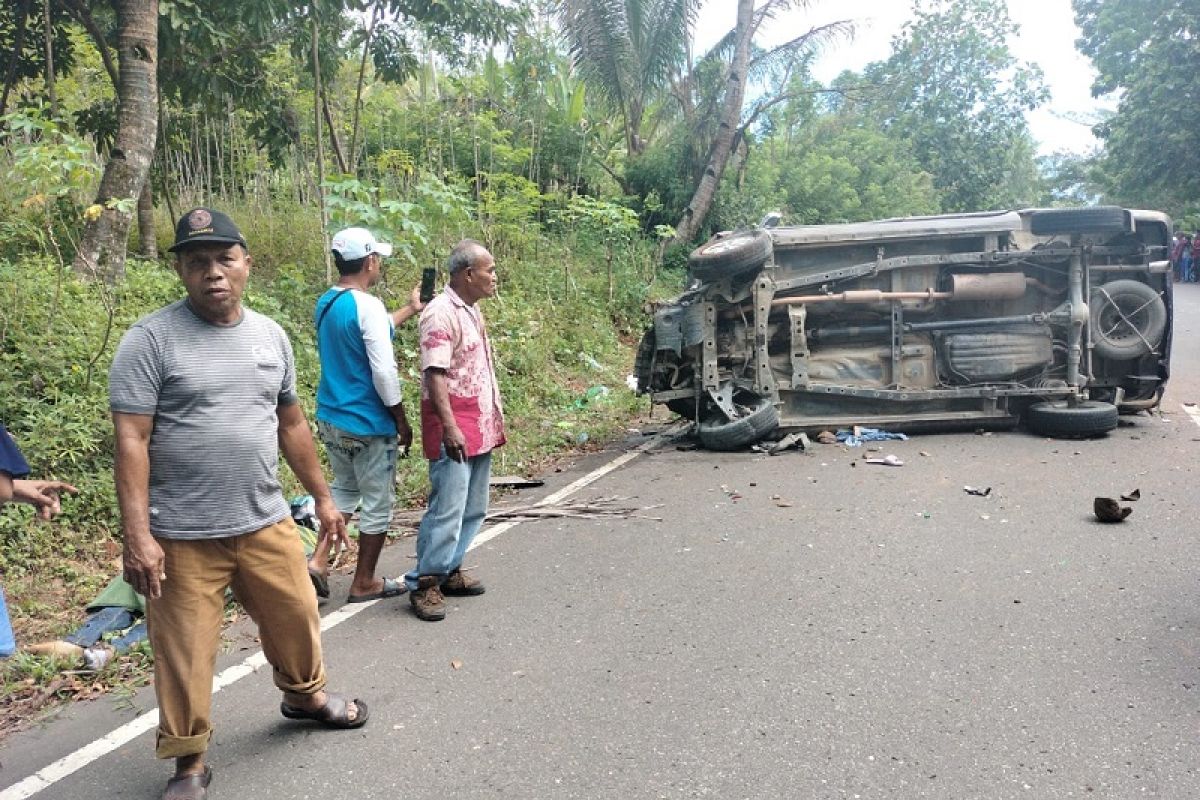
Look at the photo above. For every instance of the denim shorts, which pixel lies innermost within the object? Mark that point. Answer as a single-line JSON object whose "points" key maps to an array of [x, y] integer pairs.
{"points": [[364, 470]]}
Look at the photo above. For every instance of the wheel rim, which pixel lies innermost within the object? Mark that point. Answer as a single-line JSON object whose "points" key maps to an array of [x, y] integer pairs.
{"points": [[1124, 319]]}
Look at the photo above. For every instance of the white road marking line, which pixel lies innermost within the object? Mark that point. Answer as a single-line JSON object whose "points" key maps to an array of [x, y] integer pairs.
{"points": [[1191, 411], [73, 762]]}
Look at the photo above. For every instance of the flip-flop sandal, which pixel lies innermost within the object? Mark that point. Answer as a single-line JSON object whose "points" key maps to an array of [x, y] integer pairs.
{"points": [[334, 714], [189, 787], [391, 588], [320, 582]]}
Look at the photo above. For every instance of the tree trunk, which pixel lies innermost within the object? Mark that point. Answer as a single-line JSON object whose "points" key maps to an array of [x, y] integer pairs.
{"points": [[334, 141], [358, 92], [102, 246], [731, 114], [51, 90], [316, 66], [147, 241]]}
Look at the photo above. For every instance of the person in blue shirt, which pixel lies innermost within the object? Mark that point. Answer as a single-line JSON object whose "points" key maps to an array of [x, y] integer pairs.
{"points": [[42, 495], [14, 488], [360, 413]]}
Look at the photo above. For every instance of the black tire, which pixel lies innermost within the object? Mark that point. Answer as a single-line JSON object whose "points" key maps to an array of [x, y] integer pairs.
{"points": [[683, 406], [1096, 219], [730, 255], [1060, 419], [1127, 320], [718, 433]]}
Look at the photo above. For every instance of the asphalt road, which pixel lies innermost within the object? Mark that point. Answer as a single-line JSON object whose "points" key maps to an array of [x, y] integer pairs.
{"points": [[803, 626]]}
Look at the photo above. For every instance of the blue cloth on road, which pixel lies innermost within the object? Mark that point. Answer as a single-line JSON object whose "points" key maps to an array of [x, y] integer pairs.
{"points": [[850, 439]]}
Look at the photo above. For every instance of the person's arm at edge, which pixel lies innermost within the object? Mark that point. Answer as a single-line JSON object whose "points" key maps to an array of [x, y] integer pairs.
{"points": [[42, 495], [296, 444], [142, 559], [405, 313], [439, 396]]}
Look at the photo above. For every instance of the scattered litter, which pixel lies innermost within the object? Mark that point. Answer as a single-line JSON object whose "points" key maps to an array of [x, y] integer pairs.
{"points": [[827, 437], [599, 507], [632, 382], [977, 491], [888, 460], [589, 361], [985, 516], [783, 504], [792, 440], [594, 394], [1109, 510], [859, 435], [456, 664], [515, 482], [923, 453], [1136, 494]]}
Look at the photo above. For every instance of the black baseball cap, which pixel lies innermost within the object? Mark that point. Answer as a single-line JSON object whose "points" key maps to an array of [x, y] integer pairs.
{"points": [[205, 225]]}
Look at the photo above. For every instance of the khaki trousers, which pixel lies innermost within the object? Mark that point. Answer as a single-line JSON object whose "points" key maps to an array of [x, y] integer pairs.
{"points": [[268, 574]]}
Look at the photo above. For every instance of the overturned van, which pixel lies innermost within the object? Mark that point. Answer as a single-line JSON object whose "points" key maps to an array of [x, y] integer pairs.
{"points": [[1058, 317]]}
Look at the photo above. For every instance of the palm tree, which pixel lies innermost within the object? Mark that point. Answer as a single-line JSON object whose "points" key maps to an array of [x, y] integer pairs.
{"points": [[629, 51]]}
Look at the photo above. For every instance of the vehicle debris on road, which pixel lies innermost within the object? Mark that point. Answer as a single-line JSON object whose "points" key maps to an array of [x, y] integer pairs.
{"points": [[1109, 510]]}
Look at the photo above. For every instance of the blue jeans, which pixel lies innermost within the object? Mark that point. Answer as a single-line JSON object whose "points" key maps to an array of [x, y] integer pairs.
{"points": [[457, 506], [109, 620]]}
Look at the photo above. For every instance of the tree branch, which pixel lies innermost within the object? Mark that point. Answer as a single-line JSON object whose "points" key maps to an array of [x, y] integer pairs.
{"points": [[85, 18]]}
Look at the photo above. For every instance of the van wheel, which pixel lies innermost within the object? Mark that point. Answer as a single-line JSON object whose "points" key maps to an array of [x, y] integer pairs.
{"points": [[1128, 319], [1060, 419], [1097, 219], [730, 255], [755, 422]]}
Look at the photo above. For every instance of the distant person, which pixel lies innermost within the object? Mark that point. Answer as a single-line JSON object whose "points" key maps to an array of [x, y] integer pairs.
{"points": [[1194, 271], [44, 496], [360, 412], [1186, 261], [1177, 257], [461, 423], [203, 399]]}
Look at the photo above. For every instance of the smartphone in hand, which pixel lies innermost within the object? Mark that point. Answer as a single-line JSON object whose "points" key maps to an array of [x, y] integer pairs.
{"points": [[428, 275]]}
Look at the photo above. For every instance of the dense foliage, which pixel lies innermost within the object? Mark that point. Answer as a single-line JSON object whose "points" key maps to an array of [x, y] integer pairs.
{"points": [[1148, 51]]}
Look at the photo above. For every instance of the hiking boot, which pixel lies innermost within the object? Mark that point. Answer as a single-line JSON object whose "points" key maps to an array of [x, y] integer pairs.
{"points": [[460, 584], [427, 599]]}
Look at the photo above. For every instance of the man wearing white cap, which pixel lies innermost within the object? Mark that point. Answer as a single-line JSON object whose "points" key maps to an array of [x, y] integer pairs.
{"points": [[360, 415]]}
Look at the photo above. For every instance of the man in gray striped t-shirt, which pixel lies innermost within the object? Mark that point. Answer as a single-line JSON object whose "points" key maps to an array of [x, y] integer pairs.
{"points": [[203, 399]]}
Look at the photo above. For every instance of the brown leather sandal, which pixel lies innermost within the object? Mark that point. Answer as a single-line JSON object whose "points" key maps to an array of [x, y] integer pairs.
{"points": [[334, 714], [189, 787]]}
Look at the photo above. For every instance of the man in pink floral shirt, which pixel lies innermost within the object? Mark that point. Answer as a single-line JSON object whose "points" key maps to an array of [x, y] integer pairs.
{"points": [[461, 423]]}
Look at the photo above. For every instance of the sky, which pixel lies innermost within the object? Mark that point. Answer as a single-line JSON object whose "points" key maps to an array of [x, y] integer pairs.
{"points": [[1046, 36]]}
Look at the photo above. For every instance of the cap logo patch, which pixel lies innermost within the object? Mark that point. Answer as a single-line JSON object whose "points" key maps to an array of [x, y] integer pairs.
{"points": [[200, 218]]}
